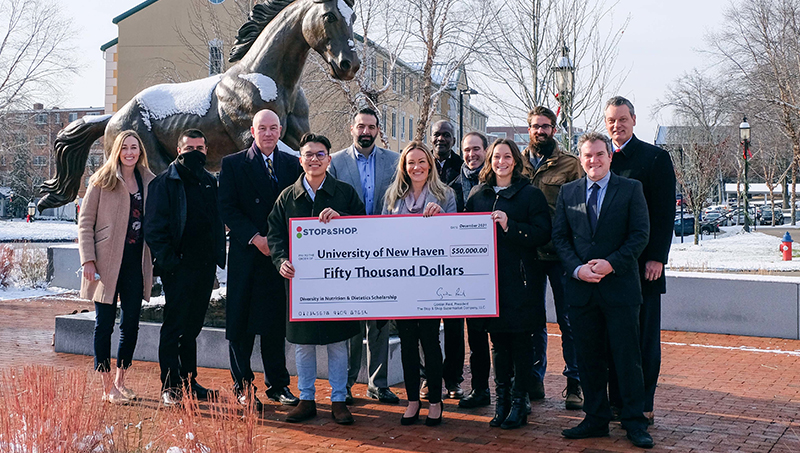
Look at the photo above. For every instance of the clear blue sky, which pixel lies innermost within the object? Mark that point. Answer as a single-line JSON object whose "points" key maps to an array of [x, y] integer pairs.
{"points": [[659, 45]]}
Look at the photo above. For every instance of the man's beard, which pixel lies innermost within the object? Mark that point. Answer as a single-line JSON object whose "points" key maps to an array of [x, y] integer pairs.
{"points": [[544, 148], [365, 141]]}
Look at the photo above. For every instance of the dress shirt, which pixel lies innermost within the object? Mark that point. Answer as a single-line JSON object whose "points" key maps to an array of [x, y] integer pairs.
{"points": [[601, 194], [366, 169], [271, 157], [616, 148], [309, 190]]}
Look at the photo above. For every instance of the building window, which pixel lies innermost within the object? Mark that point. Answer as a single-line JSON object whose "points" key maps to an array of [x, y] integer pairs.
{"points": [[73, 117], [384, 119], [402, 83], [411, 86], [394, 124], [499, 134], [394, 80], [215, 65], [521, 138], [41, 140], [39, 161], [384, 73], [373, 70], [402, 126], [41, 118], [410, 128]]}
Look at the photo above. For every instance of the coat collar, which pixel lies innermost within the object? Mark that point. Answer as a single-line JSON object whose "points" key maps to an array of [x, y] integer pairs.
{"points": [[630, 148], [511, 190], [329, 187]]}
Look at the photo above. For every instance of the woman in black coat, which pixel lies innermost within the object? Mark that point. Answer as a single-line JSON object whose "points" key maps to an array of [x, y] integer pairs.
{"points": [[521, 217]]}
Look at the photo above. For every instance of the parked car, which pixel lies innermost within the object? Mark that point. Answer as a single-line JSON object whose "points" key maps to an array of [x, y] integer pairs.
{"points": [[766, 216], [715, 217], [688, 227]]}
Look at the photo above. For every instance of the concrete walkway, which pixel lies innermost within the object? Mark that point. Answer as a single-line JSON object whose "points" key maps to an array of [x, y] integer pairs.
{"points": [[718, 393]]}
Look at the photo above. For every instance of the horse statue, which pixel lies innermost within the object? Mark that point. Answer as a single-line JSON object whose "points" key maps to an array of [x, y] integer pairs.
{"points": [[271, 49]]}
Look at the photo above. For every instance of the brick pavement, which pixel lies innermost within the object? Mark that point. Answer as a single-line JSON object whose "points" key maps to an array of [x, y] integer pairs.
{"points": [[717, 393]]}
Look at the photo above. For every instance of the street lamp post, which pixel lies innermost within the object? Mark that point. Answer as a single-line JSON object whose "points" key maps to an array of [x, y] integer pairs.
{"points": [[565, 84], [461, 93], [744, 135]]}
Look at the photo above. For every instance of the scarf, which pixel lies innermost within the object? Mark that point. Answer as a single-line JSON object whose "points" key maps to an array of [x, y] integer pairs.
{"points": [[416, 206]]}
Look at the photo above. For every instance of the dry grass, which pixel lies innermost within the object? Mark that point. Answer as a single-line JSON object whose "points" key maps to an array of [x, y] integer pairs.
{"points": [[31, 266], [6, 265], [43, 409]]}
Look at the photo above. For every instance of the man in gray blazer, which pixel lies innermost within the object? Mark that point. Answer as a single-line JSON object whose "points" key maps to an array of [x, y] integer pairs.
{"points": [[369, 169]]}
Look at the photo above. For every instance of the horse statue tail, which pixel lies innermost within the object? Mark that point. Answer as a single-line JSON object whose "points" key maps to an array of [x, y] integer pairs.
{"points": [[71, 151]]}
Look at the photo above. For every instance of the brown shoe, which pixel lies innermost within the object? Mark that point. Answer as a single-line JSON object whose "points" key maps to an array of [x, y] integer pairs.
{"points": [[304, 411], [340, 413]]}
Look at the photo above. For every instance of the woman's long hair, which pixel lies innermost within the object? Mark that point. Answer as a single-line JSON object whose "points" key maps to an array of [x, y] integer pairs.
{"points": [[522, 169], [401, 185], [106, 176]]}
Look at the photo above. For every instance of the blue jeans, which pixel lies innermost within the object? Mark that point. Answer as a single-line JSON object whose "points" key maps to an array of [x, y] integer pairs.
{"points": [[306, 359], [558, 279]]}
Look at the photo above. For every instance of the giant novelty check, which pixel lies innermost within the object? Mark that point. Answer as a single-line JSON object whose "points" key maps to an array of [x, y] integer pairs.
{"points": [[393, 267]]}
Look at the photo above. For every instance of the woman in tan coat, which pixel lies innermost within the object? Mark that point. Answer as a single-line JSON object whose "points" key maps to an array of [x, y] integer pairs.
{"points": [[116, 260]]}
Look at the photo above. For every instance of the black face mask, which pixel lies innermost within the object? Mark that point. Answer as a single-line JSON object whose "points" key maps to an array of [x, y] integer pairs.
{"points": [[193, 161]]}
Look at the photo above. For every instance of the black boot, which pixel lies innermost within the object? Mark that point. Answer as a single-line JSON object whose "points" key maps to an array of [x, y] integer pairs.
{"points": [[502, 406], [518, 415]]}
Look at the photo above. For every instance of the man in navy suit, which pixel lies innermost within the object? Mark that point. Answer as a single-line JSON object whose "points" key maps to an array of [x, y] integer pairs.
{"points": [[601, 227], [249, 184]]}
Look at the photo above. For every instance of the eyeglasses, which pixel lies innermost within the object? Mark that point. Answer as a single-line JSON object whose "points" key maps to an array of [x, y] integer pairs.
{"points": [[310, 156], [543, 127]]}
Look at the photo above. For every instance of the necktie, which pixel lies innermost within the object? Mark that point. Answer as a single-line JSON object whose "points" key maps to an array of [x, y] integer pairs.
{"points": [[592, 206], [271, 173]]}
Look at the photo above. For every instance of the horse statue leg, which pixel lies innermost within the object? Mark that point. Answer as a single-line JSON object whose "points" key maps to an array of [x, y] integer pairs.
{"points": [[297, 123]]}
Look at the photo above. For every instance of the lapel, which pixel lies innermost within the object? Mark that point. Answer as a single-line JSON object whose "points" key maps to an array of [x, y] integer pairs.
{"points": [[352, 176], [385, 171], [283, 163], [578, 204], [256, 170]]}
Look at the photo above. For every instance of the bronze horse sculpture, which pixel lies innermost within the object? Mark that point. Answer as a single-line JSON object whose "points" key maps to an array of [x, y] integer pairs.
{"points": [[271, 49]]}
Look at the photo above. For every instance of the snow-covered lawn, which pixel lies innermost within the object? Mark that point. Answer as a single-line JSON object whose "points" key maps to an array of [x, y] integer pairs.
{"points": [[731, 251], [40, 230], [35, 293]]}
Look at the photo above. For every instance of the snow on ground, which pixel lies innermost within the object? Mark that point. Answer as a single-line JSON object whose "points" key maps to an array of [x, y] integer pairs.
{"points": [[731, 251], [40, 231], [32, 293]]}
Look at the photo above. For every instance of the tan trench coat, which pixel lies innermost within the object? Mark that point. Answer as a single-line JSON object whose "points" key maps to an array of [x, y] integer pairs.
{"points": [[102, 227]]}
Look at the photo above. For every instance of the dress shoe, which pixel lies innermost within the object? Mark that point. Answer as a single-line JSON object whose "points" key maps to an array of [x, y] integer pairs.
{"points": [[341, 414], [171, 398], [243, 398], [640, 438], [454, 392], [476, 398], [405, 421], [616, 413], [537, 391], [423, 390], [435, 421], [651, 418], [349, 398], [585, 430], [283, 396], [502, 406], [128, 393], [384, 395], [573, 400], [517, 417], [305, 410], [201, 392]]}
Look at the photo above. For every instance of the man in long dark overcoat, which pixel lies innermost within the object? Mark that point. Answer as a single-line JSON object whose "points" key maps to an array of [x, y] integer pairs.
{"points": [[249, 184]]}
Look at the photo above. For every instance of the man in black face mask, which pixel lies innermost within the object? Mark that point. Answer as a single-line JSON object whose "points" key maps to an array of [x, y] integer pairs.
{"points": [[552, 169], [186, 237]]}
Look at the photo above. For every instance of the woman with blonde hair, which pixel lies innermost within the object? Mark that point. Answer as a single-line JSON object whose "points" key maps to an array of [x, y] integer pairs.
{"points": [[116, 260], [417, 189]]}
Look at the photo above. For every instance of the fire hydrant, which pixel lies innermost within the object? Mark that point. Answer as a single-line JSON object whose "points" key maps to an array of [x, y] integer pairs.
{"points": [[786, 247]]}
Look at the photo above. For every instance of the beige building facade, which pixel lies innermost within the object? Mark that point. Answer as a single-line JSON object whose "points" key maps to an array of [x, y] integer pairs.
{"points": [[162, 41]]}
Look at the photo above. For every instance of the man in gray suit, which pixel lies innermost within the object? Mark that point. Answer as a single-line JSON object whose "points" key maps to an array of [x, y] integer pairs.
{"points": [[369, 169]]}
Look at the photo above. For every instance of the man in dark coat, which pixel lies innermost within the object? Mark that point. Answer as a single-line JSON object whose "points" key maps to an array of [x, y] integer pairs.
{"points": [[315, 194], [652, 167], [249, 184], [601, 227], [448, 165], [186, 237], [552, 169]]}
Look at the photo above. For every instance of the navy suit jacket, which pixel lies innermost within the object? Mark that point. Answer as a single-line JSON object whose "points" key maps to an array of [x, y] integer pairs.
{"points": [[620, 236]]}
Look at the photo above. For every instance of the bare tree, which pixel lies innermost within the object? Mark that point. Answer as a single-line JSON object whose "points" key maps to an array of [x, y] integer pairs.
{"points": [[703, 138], [35, 55], [760, 47], [772, 162], [446, 34], [525, 41]]}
